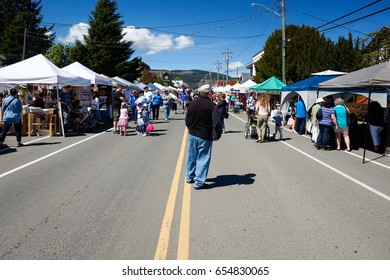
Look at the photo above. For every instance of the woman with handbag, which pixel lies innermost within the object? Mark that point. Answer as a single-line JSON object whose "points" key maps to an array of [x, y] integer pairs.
{"points": [[326, 123]]}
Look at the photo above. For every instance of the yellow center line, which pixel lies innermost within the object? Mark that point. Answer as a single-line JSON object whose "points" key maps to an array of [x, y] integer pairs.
{"points": [[184, 234], [163, 241]]}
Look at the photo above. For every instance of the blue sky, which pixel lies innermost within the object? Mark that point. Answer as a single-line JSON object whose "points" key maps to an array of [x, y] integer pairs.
{"points": [[185, 34]]}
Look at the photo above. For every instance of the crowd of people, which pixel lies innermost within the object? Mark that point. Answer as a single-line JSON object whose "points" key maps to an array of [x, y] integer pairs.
{"points": [[329, 120]]}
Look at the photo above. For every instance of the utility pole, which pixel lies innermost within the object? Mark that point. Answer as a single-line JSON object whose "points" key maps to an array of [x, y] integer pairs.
{"points": [[283, 42], [218, 65], [283, 16], [24, 43], [227, 56]]}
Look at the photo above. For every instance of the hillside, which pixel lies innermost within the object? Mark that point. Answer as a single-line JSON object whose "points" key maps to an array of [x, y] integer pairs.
{"points": [[194, 78]]}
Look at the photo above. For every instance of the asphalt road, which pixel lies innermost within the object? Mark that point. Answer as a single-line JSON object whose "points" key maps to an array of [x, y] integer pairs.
{"points": [[101, 196]]}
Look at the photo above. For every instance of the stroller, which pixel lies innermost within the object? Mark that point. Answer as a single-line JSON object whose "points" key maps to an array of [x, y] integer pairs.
{"points": [[250, 129]]}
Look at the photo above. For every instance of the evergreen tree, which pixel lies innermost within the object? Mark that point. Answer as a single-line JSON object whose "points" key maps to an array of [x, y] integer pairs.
{"points": [[20, 30], [104, 50]]}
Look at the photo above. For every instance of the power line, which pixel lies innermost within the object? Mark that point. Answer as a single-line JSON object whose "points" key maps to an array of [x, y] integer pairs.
{"points": [[353, 12], [357, 19]]}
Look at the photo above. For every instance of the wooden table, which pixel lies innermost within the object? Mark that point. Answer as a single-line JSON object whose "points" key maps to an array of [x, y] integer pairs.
{"points": [[34, 121]]}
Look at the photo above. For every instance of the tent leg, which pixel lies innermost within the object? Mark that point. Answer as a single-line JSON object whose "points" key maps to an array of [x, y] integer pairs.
{"points": [[366, 133], [60, 114]]}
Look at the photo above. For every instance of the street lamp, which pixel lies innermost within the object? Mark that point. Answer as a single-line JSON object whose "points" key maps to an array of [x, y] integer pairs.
{"points": [[283, 33]]}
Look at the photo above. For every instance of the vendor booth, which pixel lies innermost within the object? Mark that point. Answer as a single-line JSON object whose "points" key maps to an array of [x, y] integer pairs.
{"points": [[307, 88], [375, 80], [272, 85], [39, 70], [118, 81]]}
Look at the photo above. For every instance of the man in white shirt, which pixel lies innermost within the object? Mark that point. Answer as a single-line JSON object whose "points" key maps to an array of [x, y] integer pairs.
{"points": [[148, 94]]}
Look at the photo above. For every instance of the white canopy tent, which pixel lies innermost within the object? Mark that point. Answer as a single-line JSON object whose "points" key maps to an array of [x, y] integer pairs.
{"points": [[39, 70], [125, 83], [140, 85], [160, 87], [244, 87], [78, 69]]}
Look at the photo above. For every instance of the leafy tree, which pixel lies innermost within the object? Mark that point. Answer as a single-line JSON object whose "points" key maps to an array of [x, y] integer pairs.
{"points": [[306, 52], [104, 50], [378, 48], [20, 30], [150, 77], [60, 55]]}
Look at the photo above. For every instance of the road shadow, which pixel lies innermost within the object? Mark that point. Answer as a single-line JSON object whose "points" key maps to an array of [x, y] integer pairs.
{"points": [[233, 131], [8, 150], [231, 180], [41, 144]]}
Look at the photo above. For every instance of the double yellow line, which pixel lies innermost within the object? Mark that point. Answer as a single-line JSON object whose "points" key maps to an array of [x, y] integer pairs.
{"points": [[184, 233]]}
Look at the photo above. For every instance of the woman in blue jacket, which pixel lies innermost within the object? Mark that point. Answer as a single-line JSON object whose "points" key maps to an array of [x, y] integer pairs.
{"points": [[12, 109]]}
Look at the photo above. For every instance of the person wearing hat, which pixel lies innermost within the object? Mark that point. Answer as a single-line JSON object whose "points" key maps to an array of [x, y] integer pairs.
{"points": [[12, 108], [314, 130]]}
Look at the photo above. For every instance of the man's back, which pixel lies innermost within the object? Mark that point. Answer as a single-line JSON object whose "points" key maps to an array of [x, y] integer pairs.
{"points": [[199, 118]]}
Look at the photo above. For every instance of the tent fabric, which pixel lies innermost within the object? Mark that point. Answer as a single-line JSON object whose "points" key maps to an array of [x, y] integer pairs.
{"points": [[125, 83], [247, 84], [273, 84], [39, 70], [377, 76], [307, 88], [310, 83], [152, 87], [160, 87], [78, 69], [329, 73]]}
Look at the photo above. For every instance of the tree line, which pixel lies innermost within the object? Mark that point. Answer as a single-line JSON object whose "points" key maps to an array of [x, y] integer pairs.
{"points": [[308, 51]]}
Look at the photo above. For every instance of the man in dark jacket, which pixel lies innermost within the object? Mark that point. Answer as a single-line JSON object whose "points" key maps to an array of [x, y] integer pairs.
{"points": [[204, 126]]}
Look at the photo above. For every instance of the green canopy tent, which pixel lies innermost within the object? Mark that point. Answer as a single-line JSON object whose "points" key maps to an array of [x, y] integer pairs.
{"points": [[272, 85]]}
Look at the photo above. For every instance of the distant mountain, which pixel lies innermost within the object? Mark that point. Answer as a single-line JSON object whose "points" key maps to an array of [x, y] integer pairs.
{"points": [[194, 78]]}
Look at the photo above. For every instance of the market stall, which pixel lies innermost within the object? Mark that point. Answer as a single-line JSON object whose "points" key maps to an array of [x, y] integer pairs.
{"points": [[39, 70]]}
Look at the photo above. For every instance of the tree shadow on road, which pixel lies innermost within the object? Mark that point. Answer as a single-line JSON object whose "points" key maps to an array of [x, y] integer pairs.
{"points": [[231, 180]]}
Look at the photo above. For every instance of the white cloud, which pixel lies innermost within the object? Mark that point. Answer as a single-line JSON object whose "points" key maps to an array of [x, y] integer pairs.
{"points": [[76, 32], [143, 39], [152, 43], [234, 65]]}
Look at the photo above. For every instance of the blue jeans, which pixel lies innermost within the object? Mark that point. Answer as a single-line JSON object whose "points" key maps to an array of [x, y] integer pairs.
{"points": [[167, 109], [300, 125], [6, 128], [134, 111], [323, 137], [198, 161]]}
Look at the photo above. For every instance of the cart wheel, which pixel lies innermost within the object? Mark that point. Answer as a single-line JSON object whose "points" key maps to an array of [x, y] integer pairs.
{"points": [[267, 132]]}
